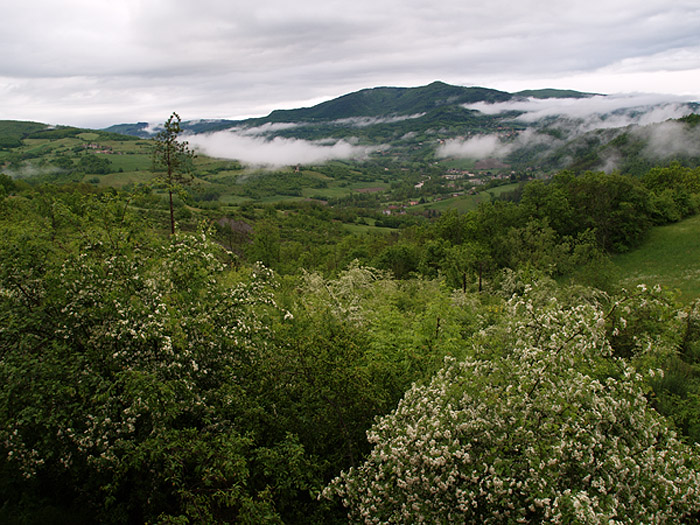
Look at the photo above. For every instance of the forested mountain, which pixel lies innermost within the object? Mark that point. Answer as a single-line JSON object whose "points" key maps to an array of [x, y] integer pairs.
{"points": [[389, 101], [373, 102], [552, 93], [549, 128]]}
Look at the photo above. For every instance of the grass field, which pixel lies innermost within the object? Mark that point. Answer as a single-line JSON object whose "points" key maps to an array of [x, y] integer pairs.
{"points": [[132, 162], [670, 256], [332, 192], [465, 203], [119, 180]]}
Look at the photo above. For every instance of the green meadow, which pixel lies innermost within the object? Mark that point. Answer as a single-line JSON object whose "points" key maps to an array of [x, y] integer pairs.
{"points": [[670, 256], [464, 203]]}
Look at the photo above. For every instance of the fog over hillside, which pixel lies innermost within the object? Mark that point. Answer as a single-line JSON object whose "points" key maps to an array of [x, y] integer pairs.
{"points": [[573, 117], [545, 123], [630, 108], [258, 145]]}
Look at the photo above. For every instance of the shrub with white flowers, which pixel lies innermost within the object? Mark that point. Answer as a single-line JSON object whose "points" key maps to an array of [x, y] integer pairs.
{"points": [[127, 378], [540, 423]]}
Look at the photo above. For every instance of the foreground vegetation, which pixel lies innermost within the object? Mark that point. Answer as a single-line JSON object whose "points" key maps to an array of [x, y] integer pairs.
{"points": [[297, 362]]}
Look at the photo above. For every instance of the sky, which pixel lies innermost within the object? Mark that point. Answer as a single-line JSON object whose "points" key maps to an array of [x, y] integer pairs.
{"points": [[93, 63]]}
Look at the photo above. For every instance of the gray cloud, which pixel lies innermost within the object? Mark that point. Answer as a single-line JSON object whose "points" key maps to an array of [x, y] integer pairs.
{"points": [[97, 63], [257, 150]]}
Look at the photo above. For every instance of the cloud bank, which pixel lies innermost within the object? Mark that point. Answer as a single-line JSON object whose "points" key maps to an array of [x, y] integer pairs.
{"points": [[650, 114], [253, 148], [265, 129], [363, 122], [479, 147], [493, 146], [599, 111], [669, 139]]}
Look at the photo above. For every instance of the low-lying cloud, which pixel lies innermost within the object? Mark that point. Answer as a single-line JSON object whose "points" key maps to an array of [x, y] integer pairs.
{"points": [[478, 147], [265, 129], [594, 112], [355, 122], [29, 170], [651, 115], [258, 150], [670, 139], [493, 146], [363, 122]]}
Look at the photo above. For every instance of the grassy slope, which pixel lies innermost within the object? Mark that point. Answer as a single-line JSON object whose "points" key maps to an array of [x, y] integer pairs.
{"points": [[466, 203], [670, 256]]}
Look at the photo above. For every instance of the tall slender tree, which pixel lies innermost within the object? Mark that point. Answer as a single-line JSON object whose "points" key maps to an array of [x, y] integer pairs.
{"points": [[172, 160]]}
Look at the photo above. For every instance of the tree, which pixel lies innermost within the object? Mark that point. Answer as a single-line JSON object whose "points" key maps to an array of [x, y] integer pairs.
{"points": [[550, 202], [94, 165], [266, 243], [617, 207], [173, 159], [464, 260], [401, 259]]}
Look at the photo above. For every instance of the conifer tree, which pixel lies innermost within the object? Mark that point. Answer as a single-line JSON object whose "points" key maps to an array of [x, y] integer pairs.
{"points": [[172, 160]]}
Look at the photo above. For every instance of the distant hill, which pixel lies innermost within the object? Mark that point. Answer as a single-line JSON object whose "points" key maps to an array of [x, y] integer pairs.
{"points": [[13, 131], [145, 130], [553, 93], [434, 99], [140, 129]]}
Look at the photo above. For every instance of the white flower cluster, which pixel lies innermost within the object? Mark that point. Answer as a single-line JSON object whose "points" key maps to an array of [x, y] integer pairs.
{"points": [[541, 423], [149, 337], [345, 295]]}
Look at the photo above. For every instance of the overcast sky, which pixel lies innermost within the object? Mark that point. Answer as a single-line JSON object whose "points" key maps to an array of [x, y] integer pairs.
{"points": [[94, 63]]}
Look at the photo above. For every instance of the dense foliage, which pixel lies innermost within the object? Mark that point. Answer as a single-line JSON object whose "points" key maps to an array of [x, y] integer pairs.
{"points": [[173, 379], [540, 423], [145, 379]]}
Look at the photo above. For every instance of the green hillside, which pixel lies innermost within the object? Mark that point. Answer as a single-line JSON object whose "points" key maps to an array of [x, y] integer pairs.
{"points": [[13, 131], [412, 122], [553, 93], [670, 256], [384, 101]]}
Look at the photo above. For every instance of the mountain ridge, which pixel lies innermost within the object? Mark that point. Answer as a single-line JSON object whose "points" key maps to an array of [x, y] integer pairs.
{"points": [[377, 102]]}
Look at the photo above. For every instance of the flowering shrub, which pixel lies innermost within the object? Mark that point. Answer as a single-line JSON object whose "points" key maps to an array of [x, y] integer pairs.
{"points": [[125, 377], [540, 423], [347, 296]]}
